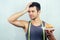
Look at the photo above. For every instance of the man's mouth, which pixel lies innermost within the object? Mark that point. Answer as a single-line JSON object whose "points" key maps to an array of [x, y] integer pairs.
{"points": [[31, 16]]}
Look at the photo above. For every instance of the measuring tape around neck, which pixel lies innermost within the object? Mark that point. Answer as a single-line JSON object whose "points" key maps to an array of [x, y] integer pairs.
{"points": [[43, 27], [29, 31]]}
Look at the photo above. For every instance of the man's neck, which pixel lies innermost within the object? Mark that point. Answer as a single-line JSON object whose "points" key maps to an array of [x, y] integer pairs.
{"points": [[37, 21]]}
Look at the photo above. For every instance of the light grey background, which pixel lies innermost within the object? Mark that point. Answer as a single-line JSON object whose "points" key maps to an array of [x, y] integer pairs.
{"points": [[50, 13]]}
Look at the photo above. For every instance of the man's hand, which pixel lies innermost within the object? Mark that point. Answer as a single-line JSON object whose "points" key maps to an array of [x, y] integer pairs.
{"points": [[49, 32], [27, 7]]}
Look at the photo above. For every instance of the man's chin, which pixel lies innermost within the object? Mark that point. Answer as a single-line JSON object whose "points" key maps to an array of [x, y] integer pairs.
{"points": [[32, 18]]}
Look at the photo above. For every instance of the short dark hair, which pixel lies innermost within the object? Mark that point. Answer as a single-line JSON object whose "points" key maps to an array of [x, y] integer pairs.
{"points": [[36, 4]]}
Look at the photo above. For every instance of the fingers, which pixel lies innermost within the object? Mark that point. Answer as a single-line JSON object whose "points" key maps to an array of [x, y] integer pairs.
{"points": [[27, 7], [49, 32], [29, 4]]}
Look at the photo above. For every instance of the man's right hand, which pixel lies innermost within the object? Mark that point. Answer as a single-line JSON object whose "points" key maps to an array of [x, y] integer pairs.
{"points": [[27, 7]]}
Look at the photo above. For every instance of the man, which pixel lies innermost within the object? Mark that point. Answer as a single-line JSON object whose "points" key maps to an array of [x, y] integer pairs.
{"points": [[36, 32]]}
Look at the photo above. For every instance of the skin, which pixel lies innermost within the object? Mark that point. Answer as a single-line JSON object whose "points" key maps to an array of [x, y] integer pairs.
{"points": [[35, 20]]}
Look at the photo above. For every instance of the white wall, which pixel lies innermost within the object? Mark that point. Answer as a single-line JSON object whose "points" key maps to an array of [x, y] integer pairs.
{"points": [[49, 13]]}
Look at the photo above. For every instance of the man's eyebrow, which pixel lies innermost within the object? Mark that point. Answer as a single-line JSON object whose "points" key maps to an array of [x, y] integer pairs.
{"points": [[28, 11]]}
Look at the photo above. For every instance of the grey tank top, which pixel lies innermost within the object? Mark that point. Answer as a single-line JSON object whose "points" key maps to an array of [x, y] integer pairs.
{"points": [[36, 32]]}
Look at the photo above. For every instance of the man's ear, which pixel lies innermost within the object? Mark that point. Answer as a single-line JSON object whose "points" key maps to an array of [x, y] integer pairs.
{"points": [[39, 12]]}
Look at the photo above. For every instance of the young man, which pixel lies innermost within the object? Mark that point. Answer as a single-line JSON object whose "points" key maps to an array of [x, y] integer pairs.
{"points": [[36, 32]]}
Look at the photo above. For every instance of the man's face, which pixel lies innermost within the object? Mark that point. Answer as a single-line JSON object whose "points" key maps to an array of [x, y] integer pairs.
{"points": [[33, 13]]}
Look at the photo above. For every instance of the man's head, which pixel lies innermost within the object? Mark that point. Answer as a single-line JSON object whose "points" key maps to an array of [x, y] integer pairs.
{"points": [[34, 10]]}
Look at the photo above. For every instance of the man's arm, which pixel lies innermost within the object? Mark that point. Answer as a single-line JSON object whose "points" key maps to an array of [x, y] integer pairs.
{"points": [[13, 19], [51, 37]]}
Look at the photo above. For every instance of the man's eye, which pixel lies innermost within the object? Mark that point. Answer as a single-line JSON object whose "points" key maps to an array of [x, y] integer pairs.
{"points": [[32, 11], [29, 11]]}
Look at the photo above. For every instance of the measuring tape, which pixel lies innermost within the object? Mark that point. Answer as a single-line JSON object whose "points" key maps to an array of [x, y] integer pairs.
{"points": [[29, 31]]}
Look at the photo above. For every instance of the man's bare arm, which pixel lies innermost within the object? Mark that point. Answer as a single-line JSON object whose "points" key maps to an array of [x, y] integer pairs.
{"points": [[13, 19]]}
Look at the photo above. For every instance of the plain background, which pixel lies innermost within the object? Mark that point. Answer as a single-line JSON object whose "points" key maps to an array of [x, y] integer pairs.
{"points": [[50, 13]]}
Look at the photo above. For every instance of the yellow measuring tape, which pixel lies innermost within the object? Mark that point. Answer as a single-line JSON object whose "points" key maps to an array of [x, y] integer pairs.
{"points": [[29, 31]]}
